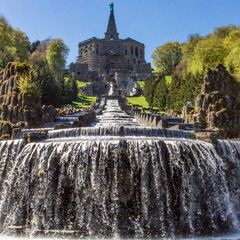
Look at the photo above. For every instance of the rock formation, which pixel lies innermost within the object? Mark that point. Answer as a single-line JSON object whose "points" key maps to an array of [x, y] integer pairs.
{"points": [[217, 107], [16, 109]]}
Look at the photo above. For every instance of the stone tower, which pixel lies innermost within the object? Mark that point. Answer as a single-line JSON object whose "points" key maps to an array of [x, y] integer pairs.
{"points": [[111, 33], [110, 56]]}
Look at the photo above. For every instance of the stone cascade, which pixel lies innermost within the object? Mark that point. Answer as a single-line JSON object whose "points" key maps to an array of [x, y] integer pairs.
{"points": [[118, 179], [121, 131], [81, 119], [113, 115], [121, 187]]}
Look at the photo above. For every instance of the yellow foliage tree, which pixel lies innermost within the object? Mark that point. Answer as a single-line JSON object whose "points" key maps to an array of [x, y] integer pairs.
{"points": [[207, 54], [232, 39], [232, 61], [29, 84]]}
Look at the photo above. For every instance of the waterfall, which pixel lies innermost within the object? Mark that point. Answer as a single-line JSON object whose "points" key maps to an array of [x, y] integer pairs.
{"points": [[120, 179], [9, 150], [113, 115], [120, 131], [126, 187], [111, 90]]}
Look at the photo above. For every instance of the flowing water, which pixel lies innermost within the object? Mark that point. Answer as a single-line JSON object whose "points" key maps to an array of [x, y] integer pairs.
{"points": [[119, 179]]}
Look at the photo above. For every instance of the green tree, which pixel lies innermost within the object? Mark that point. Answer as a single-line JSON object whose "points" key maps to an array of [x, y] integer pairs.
{"points": [[187, 49], [70, 90], [34, 46], [232, 40], [232, 45], [22, 45], [14, 44], [182, 90], [56, 55], [207, 54], [160, 94], [232, 61], [49, 57], [149, 89], [167, 57], [224, 31]]}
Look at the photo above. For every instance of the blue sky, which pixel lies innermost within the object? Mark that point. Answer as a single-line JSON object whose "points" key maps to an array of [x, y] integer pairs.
{"points": [[152, 22]]}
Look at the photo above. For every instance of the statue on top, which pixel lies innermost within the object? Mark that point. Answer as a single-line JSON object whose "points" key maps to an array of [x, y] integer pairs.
{"points": [[111, 7]]}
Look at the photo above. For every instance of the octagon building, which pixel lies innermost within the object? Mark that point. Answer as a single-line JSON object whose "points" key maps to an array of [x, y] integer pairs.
{"points": [[110, 56]]}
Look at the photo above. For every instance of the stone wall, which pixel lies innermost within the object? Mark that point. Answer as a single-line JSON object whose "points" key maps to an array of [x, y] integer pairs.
{"points": [[217, 106], [149, 119], [158, 121]]}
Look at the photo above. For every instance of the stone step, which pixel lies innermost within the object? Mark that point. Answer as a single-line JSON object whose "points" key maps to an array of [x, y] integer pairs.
{"points": [[207, 135], [186, 126], [53, 124]]}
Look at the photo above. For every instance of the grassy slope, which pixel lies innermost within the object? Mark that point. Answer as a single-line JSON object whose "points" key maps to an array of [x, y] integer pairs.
{"points": [[82, 84], [83, 101], [139, 100]]}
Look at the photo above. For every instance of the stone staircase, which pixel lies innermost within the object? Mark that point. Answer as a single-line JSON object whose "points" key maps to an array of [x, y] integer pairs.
{"points": [[175, 123]]}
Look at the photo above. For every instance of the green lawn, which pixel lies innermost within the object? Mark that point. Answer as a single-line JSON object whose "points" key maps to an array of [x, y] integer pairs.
{"points": [[138, 101], [168, 80], [82, 101], [82, 84]]}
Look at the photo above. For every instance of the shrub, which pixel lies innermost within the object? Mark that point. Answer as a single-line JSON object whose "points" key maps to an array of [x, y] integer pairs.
{"points": [[29, 84]]}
